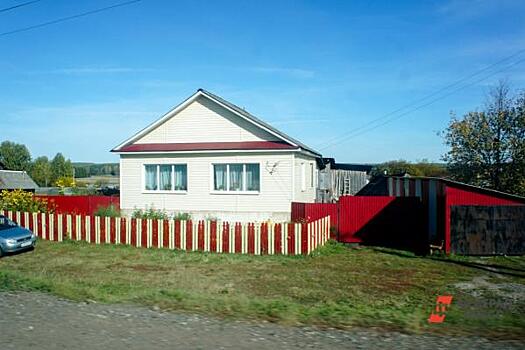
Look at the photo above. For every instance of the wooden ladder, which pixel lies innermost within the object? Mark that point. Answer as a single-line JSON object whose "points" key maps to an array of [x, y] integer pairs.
{"points": [[346, 186]]}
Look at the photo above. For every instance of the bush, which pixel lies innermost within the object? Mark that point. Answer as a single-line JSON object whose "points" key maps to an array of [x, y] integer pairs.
{"points": [[150, 213], [110, 211], [182, 216], [23, 201]]}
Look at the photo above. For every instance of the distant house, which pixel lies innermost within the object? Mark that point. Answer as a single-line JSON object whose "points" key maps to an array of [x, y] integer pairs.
{"points": [[340, 179], [209, 157], [16, 180]]}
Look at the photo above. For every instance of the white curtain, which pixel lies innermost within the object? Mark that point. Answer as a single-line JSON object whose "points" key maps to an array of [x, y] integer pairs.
{"points": [[252, 177], [165, 177], [151, 177], [181, 177], [236, 177], [219, 177]]}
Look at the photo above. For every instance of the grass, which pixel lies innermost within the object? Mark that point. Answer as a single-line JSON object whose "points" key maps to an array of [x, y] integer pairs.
{"points": [[337, 286]]}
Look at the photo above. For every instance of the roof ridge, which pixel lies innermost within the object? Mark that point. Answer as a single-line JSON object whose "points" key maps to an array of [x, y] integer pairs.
{"points": [[257, 120]]}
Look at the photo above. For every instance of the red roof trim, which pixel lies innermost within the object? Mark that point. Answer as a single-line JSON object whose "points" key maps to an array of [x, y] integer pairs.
{"points": [[206, 146]]}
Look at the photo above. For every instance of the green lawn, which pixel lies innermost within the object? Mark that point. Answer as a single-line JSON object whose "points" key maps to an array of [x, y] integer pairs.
{"points": [[337, 286]]}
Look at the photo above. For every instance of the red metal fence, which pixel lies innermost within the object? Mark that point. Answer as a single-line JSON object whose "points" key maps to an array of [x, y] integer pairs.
{"points": [[85, 205], [209, 236], [380, 220], [313, 211]]}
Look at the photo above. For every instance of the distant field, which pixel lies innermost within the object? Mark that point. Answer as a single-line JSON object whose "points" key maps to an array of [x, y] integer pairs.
{"points": [[336, 286], [102, 179]]}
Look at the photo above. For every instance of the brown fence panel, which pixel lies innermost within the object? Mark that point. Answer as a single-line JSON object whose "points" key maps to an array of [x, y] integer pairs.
{"points": [[487, 230]]}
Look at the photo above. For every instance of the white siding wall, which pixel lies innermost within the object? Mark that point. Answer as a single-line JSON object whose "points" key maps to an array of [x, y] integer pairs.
{"points": [[205, 121], [273, 201], [303, 189]]}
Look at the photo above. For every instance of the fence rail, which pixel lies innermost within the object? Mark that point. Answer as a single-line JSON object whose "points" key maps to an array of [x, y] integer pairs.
{"points": [[208, 236]]}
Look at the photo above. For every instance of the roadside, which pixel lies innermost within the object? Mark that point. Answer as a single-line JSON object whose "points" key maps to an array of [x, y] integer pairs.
{"points": [[336, 287], [32, 320]]}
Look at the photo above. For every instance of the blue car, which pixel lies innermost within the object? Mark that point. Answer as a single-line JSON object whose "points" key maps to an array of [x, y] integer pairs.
{"points": [[14, 238]]}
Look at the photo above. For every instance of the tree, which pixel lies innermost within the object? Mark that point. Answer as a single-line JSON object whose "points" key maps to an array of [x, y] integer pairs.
{"points": [[15, 156], [487, 148], [41, 171], [81, 172], [401, 167], [60, 167]]}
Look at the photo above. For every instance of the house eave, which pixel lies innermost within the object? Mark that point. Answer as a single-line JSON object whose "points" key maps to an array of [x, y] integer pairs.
{"points": [[217, 100]]}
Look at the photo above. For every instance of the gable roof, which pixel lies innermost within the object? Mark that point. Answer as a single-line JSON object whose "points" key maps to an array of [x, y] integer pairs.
{"points": [[128, 146], [379, 186], [14, 180]]}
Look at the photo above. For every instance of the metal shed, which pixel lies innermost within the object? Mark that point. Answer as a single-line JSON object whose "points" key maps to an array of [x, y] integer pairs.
{"points": [[16, 180], [462, 218]]}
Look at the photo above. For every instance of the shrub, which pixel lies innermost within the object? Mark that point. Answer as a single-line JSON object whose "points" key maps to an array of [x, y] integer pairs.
{"points": [[150, 213], [182, 216], [110, 210], [63, 182], [19, 200]]}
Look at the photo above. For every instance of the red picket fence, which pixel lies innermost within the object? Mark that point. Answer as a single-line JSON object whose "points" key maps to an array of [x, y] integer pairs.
{"points": [[85, 205], [208, 236]]}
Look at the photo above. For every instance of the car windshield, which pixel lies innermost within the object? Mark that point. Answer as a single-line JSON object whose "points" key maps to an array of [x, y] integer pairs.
{"points": [[5, 223]]}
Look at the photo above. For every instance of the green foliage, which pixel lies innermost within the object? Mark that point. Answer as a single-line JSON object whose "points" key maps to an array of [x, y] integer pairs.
{"points": [[110, 210], [82, 189], [23, 201], [186, 216], [487, 148], [420, 168], [60, 168], [81, 172], [41, 171], [150, 213], [15, 156], [91, 169]]}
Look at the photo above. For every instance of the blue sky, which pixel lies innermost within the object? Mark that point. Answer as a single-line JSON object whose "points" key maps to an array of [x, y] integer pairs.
{"points": [[314, 69]]}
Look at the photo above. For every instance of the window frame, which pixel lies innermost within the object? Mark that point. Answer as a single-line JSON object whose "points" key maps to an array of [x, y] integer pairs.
{"points": [[244, 183], [158, 165]]}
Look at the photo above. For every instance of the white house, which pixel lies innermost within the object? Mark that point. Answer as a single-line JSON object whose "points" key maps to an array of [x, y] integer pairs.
{"points": [[210, 158]]}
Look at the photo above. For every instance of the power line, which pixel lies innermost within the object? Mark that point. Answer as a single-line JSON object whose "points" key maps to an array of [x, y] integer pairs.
{"points": [[63, 19], [389, 120], [457, 82], [19, 5]]}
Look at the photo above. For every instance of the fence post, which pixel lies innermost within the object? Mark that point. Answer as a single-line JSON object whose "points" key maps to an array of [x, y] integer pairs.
{"points": [[271, 238]]}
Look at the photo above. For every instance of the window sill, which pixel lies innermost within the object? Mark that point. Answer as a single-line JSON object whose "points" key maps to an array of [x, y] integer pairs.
{"points": [[163, 192], [236, 192]]}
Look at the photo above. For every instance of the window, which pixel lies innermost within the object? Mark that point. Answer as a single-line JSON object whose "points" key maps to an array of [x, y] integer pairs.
{"points": [[166, 177], [151, 177], [236, 177]]}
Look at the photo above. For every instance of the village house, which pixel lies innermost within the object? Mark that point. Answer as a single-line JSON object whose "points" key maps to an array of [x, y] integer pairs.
{"points": [[210, 158]]}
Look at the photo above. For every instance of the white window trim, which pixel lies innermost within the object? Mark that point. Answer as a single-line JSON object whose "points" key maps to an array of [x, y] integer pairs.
{"points": [[303, 177], [228, 192], [312, 176], [143, 181]]}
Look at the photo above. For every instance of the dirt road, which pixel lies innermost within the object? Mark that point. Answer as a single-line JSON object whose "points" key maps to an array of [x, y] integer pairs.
{"points": [[40, 321]]}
